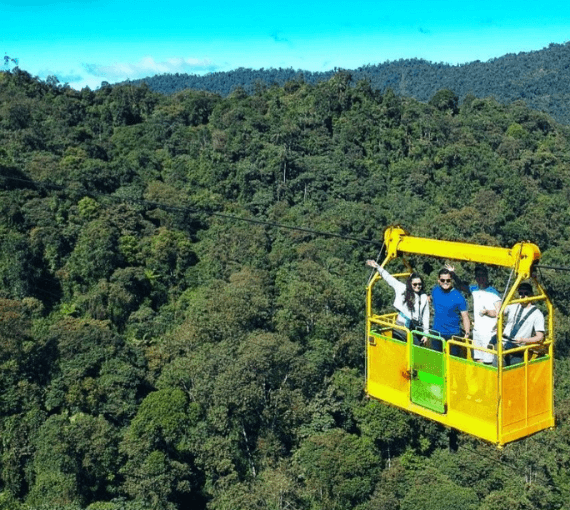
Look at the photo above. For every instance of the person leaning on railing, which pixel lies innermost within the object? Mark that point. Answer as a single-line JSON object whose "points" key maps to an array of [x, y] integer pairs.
{"points": [[525, 325]]}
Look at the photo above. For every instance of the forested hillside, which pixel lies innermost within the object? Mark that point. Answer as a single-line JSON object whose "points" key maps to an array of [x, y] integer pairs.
{"points": [[540, 78], [158, 354]]}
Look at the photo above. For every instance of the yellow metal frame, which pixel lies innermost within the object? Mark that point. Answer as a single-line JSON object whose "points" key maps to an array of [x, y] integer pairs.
{"points": [[499, 404]]}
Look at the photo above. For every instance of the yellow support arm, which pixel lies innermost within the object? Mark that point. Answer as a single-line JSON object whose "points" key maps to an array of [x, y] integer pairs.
{"points": [[521, 256]]}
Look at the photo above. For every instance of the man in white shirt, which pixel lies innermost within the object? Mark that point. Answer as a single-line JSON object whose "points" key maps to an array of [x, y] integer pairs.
{"points": [[486, 306], [525, 325]]}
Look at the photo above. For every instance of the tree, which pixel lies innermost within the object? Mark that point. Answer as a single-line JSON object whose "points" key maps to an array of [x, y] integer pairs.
{"points": [[446, 101], [157, 444], [96, 372], [94, 257], [339, 469], [75, 460], [430, 490]]}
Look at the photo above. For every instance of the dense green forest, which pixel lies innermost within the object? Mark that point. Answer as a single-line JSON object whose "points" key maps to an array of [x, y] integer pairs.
{"points": [[540, 78], [157, 353]]}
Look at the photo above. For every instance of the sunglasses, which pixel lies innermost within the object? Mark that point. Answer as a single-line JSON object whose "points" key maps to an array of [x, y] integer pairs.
{"points": [[445, 280], [417, 284], [524, 293]]}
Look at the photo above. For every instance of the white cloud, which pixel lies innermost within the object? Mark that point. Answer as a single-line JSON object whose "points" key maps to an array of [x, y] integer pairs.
{"points": [[69, 77], [147, 66]]}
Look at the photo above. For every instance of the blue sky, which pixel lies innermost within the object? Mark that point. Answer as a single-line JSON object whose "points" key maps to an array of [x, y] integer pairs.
{"points": [[86, 42]]}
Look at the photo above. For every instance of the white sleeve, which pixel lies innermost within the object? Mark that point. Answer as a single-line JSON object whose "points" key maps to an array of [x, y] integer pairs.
{"points": [[397, 285], [539, 322]]}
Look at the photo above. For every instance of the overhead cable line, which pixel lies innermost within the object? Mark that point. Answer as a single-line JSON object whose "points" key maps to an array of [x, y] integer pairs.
{"points": [[194, 210], [554, 268]]}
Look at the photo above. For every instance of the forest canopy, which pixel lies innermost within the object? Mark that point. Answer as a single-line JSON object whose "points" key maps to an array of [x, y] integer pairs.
{"points": [[158, 353], [539, 78]]}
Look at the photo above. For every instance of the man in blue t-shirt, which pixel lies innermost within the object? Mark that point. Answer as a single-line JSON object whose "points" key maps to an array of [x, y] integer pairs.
{"points": [[450, 312]]}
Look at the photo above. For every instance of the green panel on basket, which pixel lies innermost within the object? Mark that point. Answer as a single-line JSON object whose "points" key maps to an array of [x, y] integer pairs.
{"points": [[428, 379]]}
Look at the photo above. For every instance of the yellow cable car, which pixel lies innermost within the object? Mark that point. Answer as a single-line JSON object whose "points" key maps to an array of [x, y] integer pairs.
{"points": [[496, 403]]}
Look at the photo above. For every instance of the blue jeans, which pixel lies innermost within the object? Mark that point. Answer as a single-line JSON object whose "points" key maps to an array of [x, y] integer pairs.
{"points": [[510, 359]]}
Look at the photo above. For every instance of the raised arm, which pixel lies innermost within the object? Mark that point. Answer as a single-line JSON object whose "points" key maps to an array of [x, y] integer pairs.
{"points": [[388, 278], [458, 282]]}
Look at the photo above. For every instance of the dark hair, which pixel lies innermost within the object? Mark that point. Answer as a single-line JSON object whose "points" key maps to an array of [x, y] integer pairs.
{"points": [[481, 269], [443, 271], [410, 293], [525, 286]]}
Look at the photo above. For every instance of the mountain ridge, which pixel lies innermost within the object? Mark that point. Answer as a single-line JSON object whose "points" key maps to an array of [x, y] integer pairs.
{"points": [[538, 77]]}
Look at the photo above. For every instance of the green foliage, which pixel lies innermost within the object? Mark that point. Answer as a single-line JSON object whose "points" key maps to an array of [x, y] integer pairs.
{"points": [[17, 267], [159, 467], [446, 101], [24, 360], [338, 469], [75, 460], [156, 352], [96, 372], [432, 491], [95, 255], [87, 207], [539, 78], [516, 131]]}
